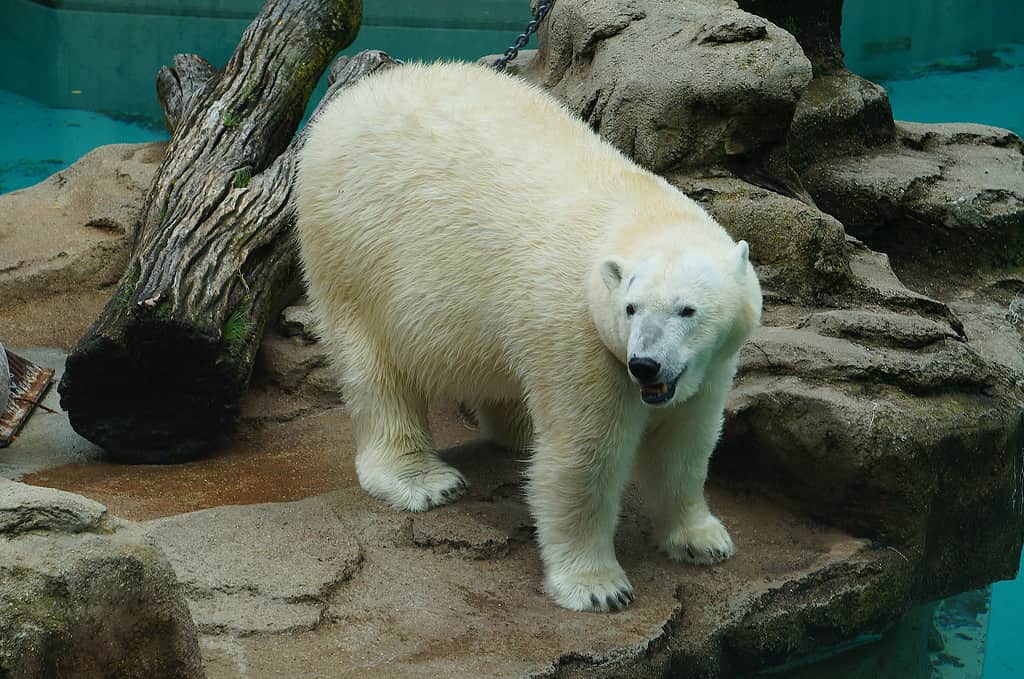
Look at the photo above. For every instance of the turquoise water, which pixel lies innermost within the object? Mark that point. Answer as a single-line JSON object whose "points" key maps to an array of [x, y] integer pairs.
{"points": [[54, 74], [1004, 651], [983, 86], [41, 140]]}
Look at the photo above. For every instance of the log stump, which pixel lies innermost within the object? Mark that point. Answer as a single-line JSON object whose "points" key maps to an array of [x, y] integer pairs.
{"points": [[158, 377]]}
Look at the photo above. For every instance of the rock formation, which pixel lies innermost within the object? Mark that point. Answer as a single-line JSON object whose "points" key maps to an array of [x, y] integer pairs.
{"points": [[81, 598]]}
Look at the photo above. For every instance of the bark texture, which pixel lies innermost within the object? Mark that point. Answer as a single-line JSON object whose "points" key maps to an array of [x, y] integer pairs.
{"points": [[158, 376]]}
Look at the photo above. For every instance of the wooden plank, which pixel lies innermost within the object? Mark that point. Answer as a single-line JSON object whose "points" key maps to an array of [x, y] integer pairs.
{"points": [[29, 383]]}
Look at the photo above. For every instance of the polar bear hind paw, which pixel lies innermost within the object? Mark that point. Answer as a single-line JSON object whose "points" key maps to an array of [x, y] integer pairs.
{"points": [[705, 544]]}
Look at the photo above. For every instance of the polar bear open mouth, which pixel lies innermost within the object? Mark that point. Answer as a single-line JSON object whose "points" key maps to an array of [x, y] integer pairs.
{"points": [[657, 394]]}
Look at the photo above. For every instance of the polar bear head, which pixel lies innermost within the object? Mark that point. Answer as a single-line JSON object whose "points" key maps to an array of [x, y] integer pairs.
{"points": [[669, 315]]}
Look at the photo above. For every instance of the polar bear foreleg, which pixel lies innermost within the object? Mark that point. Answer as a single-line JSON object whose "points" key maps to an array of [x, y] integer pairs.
{"points": [[672, 466], [577, 474]]}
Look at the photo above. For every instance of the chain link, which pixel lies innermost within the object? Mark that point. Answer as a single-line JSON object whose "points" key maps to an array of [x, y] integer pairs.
{"points": [[520, 42]]}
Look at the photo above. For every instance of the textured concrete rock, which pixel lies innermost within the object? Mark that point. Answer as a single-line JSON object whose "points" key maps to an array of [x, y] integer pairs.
{"points": [[30, 508], [298, 321], [720, 92], [800, 251], [298, 367], [65, 238], [839, 114], [946, 198], [265, 568], [457, 591], [71, 229], [74, 603]]}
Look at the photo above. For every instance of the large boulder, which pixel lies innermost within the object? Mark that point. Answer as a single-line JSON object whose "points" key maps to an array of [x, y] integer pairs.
{"points": [[939, 199], [82, 597], [720, 91]]}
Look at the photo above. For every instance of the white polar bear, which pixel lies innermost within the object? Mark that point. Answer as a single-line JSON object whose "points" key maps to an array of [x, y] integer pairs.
{"points": [[465, 237]]}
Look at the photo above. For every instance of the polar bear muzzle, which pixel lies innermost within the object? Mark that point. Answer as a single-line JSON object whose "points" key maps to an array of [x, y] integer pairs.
{"points": [[645, 371], [658, 394]]}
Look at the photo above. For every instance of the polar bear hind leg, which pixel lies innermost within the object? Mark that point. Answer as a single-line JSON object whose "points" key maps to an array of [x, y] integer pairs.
{"points": [[395, 457], [506, 423]]}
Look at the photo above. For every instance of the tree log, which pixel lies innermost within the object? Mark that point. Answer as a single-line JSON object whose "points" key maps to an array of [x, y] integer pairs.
{"points": [[157, 378]]}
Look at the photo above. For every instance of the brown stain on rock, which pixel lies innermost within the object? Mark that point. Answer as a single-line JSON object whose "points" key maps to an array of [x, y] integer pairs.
{"points": [[274, 462]]}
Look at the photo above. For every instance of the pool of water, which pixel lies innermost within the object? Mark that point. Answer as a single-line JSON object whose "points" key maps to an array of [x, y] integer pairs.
{"points": [[980, 86], [56, 85], [41, 140]]}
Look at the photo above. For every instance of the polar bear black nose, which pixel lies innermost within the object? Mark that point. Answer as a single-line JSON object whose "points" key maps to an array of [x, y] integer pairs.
{"points": [[644, 369]]}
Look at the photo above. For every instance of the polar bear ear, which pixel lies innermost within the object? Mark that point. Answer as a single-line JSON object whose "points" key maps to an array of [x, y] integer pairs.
{"points": [[611, 271], [740, 256]]}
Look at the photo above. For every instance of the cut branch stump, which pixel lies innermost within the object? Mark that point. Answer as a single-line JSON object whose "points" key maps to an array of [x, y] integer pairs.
{"points": [[158, 376]]}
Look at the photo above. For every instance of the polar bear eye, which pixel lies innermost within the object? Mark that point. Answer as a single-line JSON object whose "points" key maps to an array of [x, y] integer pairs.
{"points": [[630, 309], [687, 311]]}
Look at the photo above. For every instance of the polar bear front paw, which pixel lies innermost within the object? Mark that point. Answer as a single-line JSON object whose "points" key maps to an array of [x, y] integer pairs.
{"points": [[416, 489], [605, 592], [706, 542]]}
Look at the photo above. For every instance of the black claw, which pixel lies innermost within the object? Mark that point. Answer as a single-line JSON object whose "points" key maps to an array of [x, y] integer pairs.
{"points": [[689, 550], [630, 595], [594, 601], [622, 599], [446, 492], [613, 605]]}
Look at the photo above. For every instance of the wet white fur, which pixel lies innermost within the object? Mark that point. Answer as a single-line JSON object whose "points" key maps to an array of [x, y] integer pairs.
{"points": [[454, 226]]}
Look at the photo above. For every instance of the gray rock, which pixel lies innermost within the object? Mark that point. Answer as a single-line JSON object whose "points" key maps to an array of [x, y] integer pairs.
{"points": [[840, 114], [297, 367], [65, 243], [881, 328], [456, 591], [942, 198], [90, 607], [298, 321], [87, 213], [516, 67], [720, 92], [263, 568], [26, 508], [801, 252]]}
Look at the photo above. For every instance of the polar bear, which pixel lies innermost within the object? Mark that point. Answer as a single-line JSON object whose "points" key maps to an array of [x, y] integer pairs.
{"points": [[465, 237]]}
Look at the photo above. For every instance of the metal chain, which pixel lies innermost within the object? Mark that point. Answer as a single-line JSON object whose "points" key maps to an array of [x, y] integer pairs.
{"points": [[520, 42]]}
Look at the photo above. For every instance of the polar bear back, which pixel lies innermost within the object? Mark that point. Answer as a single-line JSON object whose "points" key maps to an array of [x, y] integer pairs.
{"points": [[457, 212]]}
